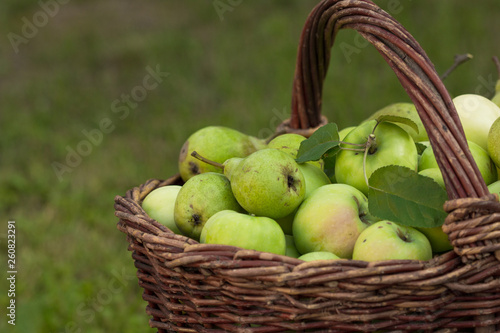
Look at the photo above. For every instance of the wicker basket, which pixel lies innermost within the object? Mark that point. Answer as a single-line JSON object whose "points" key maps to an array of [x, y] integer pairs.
{"points": [[192, 287]]}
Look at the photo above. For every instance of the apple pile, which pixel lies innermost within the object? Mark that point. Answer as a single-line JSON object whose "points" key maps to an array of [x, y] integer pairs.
{"points": [[329, 196]]}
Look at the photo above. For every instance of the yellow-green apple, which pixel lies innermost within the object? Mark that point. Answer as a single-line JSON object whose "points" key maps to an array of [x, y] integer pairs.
{"points": [[216, 143], [435, 174], [268, 182], [246, 231], [331, 219], [314, 177], [406, 110], [386, 240], [291, 250], [343, 132], [481, 157], [494, 187], [436, 236], [438, 239], [493, 142], [319, 255], [159, 205], [290, 144], [477, 114], [391, 146], [201, 197]]}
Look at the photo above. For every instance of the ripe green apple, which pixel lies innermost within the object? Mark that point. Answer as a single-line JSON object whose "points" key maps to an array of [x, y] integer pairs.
{"points": [[406, 110], [246, 231], [484, 163], [331, 219], [436, 236], [314, 177], [291, 250], [392, 146], [477, 114], [435, 174], [343, 132], [493, 142], [386, 240], [268, 183], [494, 187], [319, 255], [216, 143], [201, 197], [159, 204], [290, 144], [438, 239]]}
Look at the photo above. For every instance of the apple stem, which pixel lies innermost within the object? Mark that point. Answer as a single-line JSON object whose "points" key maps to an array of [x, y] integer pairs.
{"points": [[369, 149], [459, 59], [206, 160]]}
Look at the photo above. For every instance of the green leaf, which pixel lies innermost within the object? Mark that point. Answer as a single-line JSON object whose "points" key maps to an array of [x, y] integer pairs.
{"points": [[322, 140], [420, 147], [329, 159], [398, 119], [403, 196]]}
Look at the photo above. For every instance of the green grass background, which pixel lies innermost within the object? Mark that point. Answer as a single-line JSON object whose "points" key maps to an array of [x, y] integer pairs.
{"points": [[233, 68]]}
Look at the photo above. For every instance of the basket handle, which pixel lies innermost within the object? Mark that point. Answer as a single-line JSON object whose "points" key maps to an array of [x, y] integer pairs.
{"points": [[411, 65]]}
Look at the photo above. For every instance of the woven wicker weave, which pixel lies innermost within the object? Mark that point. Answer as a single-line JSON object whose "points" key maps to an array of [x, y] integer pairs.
{"points": [[192, 287]]}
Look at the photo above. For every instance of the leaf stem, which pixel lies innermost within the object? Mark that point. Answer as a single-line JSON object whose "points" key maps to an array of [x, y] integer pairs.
{"points": [[206, 160]]}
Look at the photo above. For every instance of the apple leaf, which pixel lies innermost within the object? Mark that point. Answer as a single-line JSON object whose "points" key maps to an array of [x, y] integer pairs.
{"points": [[322, 140], [403, 196], [420, 147], [398, 119]]}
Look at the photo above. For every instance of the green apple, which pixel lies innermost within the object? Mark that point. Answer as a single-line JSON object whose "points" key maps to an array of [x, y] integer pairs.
{"points": [[291, 250], [484, 163], [386, 240], [268, 183], [201, 197], [314, 177], [246, 231], [286, 222], [290, 144], [493, 142], [494, 187], [331, 219], [406, 110], [343, 132], [319, 255], [438, 239], [216, 143], [477, 114], [435, 174], [392, 146], [436, 236], [159, 204]]}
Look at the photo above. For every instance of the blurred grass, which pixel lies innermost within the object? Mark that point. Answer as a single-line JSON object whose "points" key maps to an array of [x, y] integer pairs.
{"points": [[74, 272]]}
